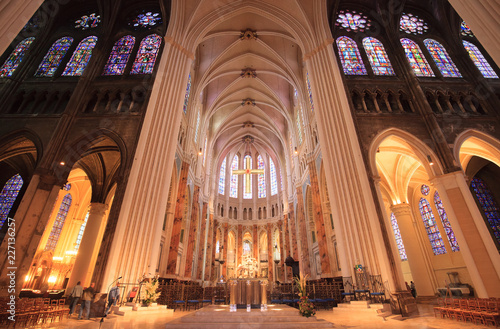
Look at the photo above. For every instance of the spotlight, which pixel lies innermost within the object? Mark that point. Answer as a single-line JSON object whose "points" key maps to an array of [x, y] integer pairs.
{"points": [[430, 160]]}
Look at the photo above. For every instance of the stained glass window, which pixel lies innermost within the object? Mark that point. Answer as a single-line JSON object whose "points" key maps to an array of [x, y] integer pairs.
{"points": [[58, 223], [80, 232], [274, 181], [146, 56], [67, 187], [446, 223], [147, 20], [205, 151], [80, 57], [416, 59], [377, 56], [245, 194], [489, 205], [197, 126], [53, 58], [299, 128], [15, 58], [352, 21], [119, 56], [350, 57], [233, 193], [222, 177], [88, 22], [309, 91], [442, 59], [411, 24], [186, 97], [465, 30], [431, 227], [479, 60], [261, 178], [399, 240], [8, 195], [425, 189]]}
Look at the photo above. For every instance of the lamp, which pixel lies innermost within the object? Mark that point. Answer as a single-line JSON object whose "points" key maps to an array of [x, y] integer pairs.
{"points": [[430, 160], [296, 152], [200, 152]]}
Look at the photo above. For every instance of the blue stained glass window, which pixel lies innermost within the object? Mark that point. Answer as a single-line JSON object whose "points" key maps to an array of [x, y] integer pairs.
{"points": [[442, 59], [377, 56], [479, 60], [53, 58], [15, 58], [416, 59], [58, 223], [88, 22], [80, 57], [245, 194], [147, 20], [425, 189], [309, 91], [119, 56], [80, 232], [222, 177], [233, 188], [261, 178], [431, 227], [350, 57], [465, 30], [352, 21], [205, 151], [186, 96], [146, 56], [446, 223], [489, 205], [399, 240], [411, 24], [8, 196], [274, 180]]}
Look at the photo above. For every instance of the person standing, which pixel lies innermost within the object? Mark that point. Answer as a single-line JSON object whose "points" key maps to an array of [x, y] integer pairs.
{"points": [[113, 297], [75, 296], [88, 296], [413, 289]]}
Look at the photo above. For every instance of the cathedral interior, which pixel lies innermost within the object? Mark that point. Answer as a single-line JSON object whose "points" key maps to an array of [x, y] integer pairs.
{"points": [[206, 140]]}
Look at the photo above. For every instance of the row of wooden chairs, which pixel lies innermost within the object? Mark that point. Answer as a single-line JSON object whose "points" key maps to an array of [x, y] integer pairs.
{"points": [[476, 310], [33, 311]]}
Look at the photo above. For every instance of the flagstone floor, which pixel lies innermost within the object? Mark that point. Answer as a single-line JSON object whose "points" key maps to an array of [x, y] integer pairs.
{"points": [[362, 320]]}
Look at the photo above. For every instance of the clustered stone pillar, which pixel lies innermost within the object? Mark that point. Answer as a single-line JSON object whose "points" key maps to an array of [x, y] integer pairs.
{"points": [[208, 258], [201, 253], [193, 228], [240, 244], [255, 242], [214, 242], [293, 230], [305, 264], [177, 225], [282, 251], [319, 221], [224, 253], [81, 269], [270, 253]]}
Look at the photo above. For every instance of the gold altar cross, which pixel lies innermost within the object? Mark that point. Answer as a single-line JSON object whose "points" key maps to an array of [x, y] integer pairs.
{"points": [[247, 172]]}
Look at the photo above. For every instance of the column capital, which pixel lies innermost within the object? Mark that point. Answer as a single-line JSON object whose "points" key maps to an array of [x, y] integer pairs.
{"points": [[401, 209], [98, 208]]}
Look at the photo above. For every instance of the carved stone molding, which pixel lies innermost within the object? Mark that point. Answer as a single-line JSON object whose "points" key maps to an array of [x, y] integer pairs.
{"points": [[248, 34], [248, 124], [248, 73], [248, 101]]}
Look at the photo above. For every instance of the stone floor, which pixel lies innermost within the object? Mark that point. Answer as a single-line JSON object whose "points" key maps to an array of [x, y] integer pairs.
{"points": [[425, 320]]}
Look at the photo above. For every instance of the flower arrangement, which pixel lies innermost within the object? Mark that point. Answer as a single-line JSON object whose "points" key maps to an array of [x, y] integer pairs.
{"points": [[306, 308], [149, 292]]}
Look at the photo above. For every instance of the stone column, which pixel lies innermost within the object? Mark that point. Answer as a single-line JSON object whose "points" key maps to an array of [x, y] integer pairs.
{"points": [[30, 220], [83, 267], [224, 254], [476, 245], [286, 247], [482, 18], [255, 242], [421, 272], [282, 251], [203, 240], [239, 241], [293, 236], [193, 229], [270, 249], [136, 241], [305, 264], [214, 242], [319, 221], [177, 225], [356, 222], [208, 257]]}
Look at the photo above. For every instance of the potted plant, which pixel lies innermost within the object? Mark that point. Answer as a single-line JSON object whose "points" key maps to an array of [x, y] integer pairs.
{"points": [[306, 308]]}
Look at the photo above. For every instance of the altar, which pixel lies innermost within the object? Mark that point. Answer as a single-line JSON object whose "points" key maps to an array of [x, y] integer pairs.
{"points": [[248, 291]]}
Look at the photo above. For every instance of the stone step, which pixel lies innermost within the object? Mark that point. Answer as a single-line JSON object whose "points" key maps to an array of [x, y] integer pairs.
{"points": [[234, 325], [248, 319]]}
